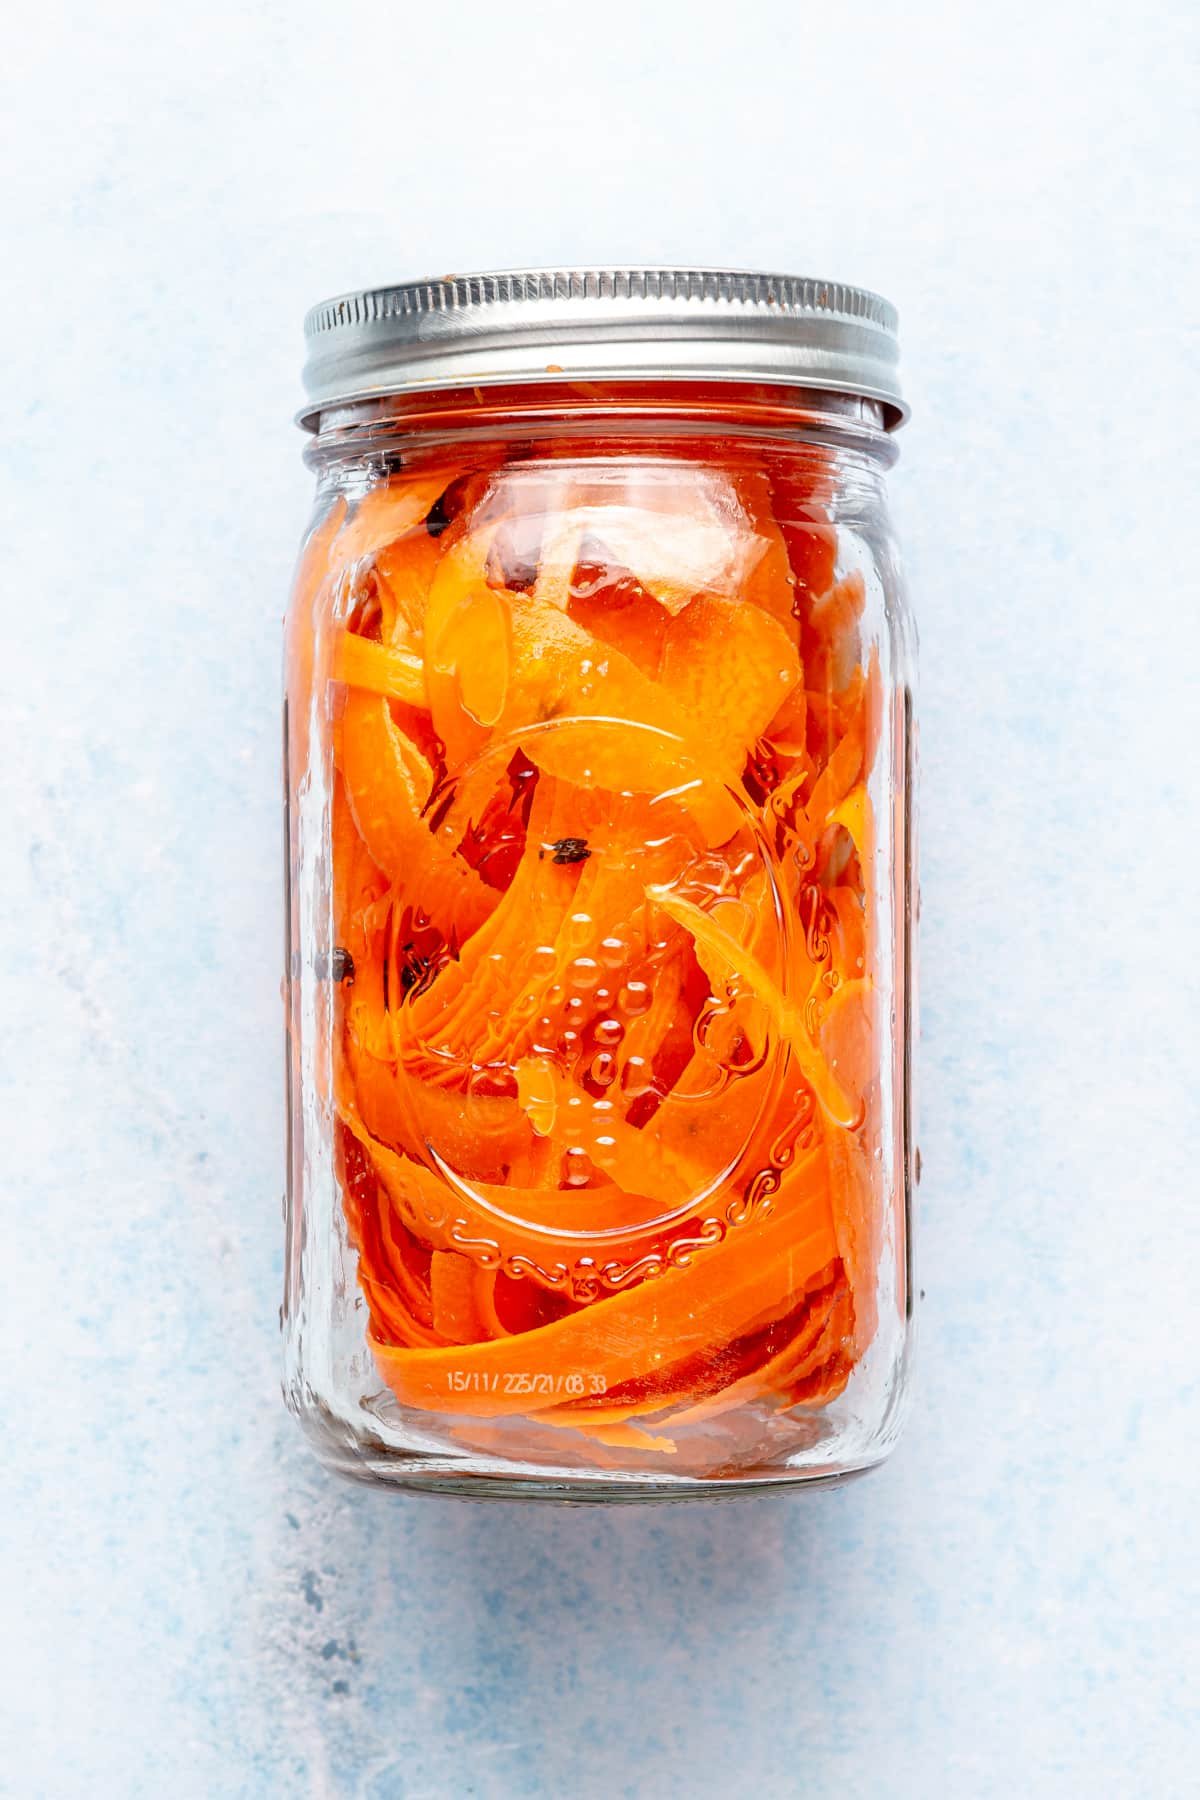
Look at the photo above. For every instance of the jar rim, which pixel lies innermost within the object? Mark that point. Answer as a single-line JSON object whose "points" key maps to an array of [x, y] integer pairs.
{"points": [[526, 327]]}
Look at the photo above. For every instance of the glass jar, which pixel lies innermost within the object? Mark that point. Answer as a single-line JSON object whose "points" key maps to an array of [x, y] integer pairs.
{"points": [[599, 766]]}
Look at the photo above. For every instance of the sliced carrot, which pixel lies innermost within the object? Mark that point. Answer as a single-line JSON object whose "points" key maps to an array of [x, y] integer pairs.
{"points": [[800, 496], [836, 779], [854, 815], [727, 667], [404, 570], [517, 666], [358, 885], [388, 783], [531, 1222], [316, 560], [698, 1390], [379, 669], [858, 1224], [873, 702], [803, 1352], [788, 729], [385, 513], [453, 1281], [587, 714], [489, 974], [687, 1150], [679, 533], [483, 1141], [610, 602], [768, 581], [730, 959], [830, 640], [607, 1119], [695, 1309], [844, 924], [848, 1034], [462, 609], [313, 569]]}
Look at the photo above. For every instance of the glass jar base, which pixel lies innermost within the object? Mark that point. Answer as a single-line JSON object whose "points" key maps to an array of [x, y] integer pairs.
{"points": [[375, 1463]]}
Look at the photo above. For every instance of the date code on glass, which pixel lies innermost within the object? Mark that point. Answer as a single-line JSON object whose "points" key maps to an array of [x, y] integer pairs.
{"points": [[540, 1383]]}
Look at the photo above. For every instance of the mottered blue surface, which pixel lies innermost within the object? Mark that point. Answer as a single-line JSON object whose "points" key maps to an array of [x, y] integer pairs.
{"points": [[192, 1607]]}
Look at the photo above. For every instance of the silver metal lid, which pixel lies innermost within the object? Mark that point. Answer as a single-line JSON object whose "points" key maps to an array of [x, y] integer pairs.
{"points": [[529, 325]]}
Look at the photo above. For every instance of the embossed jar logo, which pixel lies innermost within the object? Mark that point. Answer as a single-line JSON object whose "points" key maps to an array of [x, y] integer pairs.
{"points": [[576, 1000]]}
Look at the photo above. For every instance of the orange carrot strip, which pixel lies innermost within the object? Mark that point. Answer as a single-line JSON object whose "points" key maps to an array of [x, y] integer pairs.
{"points": [[810, 1345], [858, 1223], [518, 661], [706, 1395], [388, 782], [754, 1274], [848, 1033], [385, 512], [730, 956], [404, 573], [453, 1279], [629, 669], [313, 569], [379, 669], [727, 666]]}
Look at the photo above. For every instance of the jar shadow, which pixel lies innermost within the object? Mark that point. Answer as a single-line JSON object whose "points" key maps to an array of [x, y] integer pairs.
{"points": [[644, 1617], [420, 1645]]}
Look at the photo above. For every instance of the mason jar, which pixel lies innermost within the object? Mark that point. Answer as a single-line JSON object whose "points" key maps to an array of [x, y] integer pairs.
{"points": [[599, 765]]}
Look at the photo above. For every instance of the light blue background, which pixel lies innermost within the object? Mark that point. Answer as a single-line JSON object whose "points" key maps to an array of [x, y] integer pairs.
{"points": [[193, 1608]]}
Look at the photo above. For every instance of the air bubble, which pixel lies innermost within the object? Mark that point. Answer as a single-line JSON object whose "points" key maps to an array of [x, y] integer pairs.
{"points": [[538, 1095], [580, 927], [706, 1031], [735, 917], [491, 1081], [709, 875], [637, 1077], [576, 1167], [730, 1036], [634, 998], [604, 1154]]}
